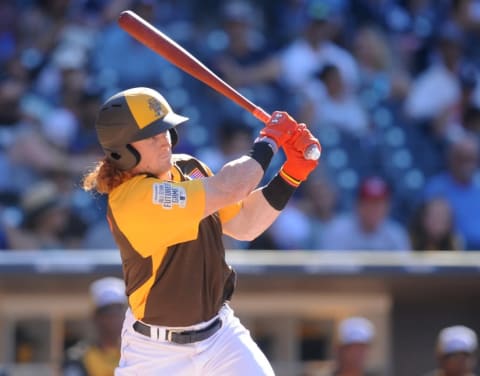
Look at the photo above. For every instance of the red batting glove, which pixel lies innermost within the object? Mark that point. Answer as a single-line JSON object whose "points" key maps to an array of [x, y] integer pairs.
{"points": [[280, 128], [296, 169]]}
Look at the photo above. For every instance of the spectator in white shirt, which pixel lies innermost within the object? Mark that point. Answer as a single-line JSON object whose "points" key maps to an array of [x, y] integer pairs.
{"points": [[439, 94], [294, 65], [333, 105]]}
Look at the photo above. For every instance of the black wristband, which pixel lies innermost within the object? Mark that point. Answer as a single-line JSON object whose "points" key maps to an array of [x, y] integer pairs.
{"points": [[262, 152], [278, 192]]}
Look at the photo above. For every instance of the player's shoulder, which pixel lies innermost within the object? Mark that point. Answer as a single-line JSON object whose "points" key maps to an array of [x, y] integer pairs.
{"points": [[131, 192], [129, 184], [191, 166], [180, 157]]}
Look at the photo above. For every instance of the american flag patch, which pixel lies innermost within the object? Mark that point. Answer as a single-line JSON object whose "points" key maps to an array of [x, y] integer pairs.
{"points": [[196, 174]]}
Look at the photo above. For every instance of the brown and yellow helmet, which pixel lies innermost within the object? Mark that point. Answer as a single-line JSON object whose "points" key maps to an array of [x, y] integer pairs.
{"points": [[133, 115]]}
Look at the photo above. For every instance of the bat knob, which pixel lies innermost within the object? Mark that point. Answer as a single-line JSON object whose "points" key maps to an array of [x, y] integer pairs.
{"points": [[312, 153]]}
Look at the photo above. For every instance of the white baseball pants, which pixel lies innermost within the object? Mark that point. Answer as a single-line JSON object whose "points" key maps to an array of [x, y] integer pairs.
{"points": [[229, 352]]}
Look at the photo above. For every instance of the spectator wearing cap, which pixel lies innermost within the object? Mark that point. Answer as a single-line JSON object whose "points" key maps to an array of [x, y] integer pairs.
{"points": [[455, 352], [354, 338], [100, 356], [368, 226]]}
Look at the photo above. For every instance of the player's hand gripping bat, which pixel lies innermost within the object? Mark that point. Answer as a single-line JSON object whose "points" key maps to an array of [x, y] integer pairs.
{"points": [[154, 39]]}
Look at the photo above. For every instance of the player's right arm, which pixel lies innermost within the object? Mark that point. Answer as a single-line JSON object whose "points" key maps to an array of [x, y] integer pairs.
{"points": [[238, 178], [260, 208]]}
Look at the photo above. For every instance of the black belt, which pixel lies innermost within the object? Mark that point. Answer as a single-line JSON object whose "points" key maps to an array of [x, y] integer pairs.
{"points": [[181, 337]]}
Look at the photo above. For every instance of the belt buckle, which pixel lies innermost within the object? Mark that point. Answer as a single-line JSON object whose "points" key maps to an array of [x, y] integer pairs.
{"points": [[170, 333]]}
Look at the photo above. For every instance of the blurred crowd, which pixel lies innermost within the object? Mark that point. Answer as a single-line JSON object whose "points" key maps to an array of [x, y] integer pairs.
{"points": [[390, 88]]}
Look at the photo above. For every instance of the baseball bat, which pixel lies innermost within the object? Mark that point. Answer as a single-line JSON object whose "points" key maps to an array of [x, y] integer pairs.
{"points": [[160, 43]]}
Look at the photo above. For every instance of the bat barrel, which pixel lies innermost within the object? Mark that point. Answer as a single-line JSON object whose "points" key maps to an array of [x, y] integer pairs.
{"points": [[157, 41], [160, 43]]}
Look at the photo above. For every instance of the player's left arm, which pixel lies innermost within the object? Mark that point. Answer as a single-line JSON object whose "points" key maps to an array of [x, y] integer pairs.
{"points": [[261, 207]]}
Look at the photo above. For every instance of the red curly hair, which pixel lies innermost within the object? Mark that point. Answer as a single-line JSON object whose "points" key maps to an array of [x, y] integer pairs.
{"points": [[104, 177]]}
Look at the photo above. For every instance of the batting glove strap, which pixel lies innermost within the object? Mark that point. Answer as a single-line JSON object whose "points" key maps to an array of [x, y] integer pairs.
{"points": [[271, 141], [278, 192], [262, 152], [289, 179]]}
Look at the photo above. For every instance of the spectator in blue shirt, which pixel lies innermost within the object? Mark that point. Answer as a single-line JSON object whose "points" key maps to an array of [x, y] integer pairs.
{"points": [[461, 189], [368, 226]]}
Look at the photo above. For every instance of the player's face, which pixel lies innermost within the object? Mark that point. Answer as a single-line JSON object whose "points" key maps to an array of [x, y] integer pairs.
{"points": [[353, 357], [457, 364], [109, 320], [156, 155]]}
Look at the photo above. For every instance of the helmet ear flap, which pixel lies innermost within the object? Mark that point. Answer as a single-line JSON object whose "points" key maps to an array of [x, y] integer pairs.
{"points": [[134, 156], [124, 158], [173, 136]]}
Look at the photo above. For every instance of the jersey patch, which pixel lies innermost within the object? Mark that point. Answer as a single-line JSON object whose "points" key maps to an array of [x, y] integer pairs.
{"points": [[196, 174], [168, 195]]}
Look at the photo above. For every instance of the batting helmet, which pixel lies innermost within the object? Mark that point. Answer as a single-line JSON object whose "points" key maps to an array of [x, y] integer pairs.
{"points": [[133, 115]]}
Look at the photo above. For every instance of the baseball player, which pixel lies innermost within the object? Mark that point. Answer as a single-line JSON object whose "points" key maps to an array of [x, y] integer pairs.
{"points": [[456, 352], [100, 356], [355, 336], [167, 213]]}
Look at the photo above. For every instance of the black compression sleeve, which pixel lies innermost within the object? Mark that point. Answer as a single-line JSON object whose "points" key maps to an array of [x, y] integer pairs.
{"points": [[262, 152], [278, 192]]}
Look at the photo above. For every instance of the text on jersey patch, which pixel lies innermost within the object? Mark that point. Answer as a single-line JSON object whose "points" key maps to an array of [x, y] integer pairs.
{"points": [[168, 195]]}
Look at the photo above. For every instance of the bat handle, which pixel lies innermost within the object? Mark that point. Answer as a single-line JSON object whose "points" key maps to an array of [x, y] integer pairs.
{"points": [[261, 114], [311, 153]]}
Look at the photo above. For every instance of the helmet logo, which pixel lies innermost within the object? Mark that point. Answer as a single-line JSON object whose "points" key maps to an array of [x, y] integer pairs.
{"points": [[155, 106]]}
